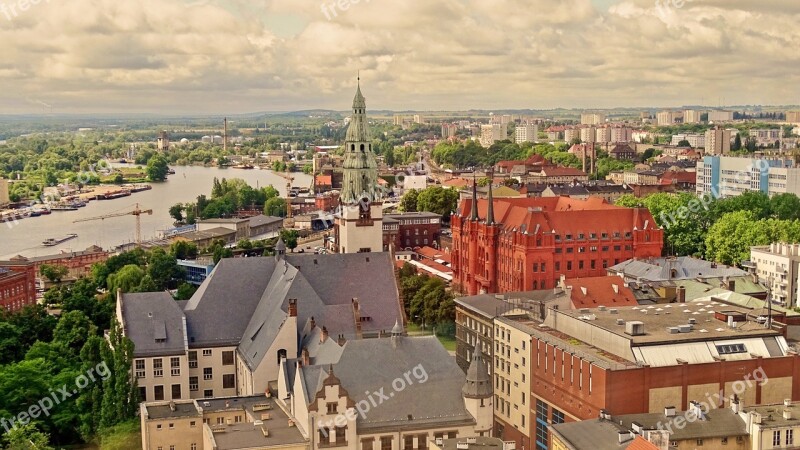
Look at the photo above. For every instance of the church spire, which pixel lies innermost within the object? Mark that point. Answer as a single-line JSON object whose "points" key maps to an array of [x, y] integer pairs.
{"points": [[474, 198], [360, 170], [490, 210]]}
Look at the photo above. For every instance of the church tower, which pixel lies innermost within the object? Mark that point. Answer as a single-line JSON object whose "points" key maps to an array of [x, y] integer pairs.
{"points": [[478, 393], [359, 226]]}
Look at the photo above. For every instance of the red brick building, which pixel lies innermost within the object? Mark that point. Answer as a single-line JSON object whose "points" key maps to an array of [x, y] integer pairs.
{"points": [[79, 263], [519, 244], [411, 230], [17, 286]]}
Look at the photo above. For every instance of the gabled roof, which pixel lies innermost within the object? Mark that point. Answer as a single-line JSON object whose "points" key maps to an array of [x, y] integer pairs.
{"points": [[682, 267], [154, 322]]}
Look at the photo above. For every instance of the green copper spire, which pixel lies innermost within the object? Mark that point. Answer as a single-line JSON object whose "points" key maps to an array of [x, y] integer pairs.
{"points": [[360, 170]]}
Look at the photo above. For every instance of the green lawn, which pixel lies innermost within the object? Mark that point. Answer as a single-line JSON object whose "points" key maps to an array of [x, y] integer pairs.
{"points": [[448, 342], [125, 436]]}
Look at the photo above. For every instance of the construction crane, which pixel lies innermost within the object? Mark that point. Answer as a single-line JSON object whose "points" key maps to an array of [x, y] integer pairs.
{"points": [[137, 212]]}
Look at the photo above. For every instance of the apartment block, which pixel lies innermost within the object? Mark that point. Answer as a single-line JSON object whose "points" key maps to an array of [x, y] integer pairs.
{"points": [[764, 137], [493, 133], [528, 132], [691, 116], [449, 130], [592, 119], [720, 116], [695, 140], [588, 134], [571, 133], [667, 118], [778, 266], [793, 117], [726, 176], [718, 141]]}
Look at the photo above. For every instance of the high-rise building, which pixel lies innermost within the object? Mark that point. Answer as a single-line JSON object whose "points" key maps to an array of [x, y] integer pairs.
{"points": [[588, 134], [163, 141], [492, 133], [603, 135], [359, 226], [571, 133], [449, 130], [718, 141], [527, 132], [621, 134], [793, 116], [419, 119], [592, 118], [691, 116], [667, 118], [720, 116]]}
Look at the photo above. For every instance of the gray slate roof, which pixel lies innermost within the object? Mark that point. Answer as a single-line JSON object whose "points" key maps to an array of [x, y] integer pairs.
{"points": [[658, 269], [150, 316], [370, 365]]}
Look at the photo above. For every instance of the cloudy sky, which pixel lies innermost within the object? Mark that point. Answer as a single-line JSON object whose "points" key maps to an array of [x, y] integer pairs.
{"points": [[240, 56]]}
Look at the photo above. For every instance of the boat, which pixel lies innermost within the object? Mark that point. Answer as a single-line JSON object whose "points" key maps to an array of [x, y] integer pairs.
{"points": [[244, 166], [113, 194], [49, 242], [63, 207]]}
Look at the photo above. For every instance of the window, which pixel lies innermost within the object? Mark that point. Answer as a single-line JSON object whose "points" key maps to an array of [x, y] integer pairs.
{"points": [[569, 265], [724, 441], [175, 366], [366, 444], [789, 437], [558, 417], [422, 442], [158, 427], [140, 368], [176, 391], [228, 381], [728, 349], [193, 446], [208, 393], [580, 265], [227, 358], [569, 249], [386, 443], [158, 393], [558, 265], [193, 360], [544, 265], [208, 373], [172, 426], [541, 425], [408, 442], [158, 368], [207, 352], [193, 384], [142, 394], [333, 408], [192, 424], [776, 438]]}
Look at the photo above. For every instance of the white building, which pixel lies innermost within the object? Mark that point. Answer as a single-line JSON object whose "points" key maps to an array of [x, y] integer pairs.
{"points": [[720, 116], [766, 137], [571, 133], [778, 266], [667, 118], [588, 134], [691, 116], [592, 118], [621, 135], [727, 176], [695, 140], [528, 132]]}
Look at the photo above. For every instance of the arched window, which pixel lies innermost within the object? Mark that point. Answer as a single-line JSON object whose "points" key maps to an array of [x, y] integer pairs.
{"points": [[362, 148], [353, 147]]}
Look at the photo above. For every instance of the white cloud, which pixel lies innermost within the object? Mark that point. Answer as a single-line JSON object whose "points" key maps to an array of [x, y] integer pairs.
{"points": [[215, 56]]}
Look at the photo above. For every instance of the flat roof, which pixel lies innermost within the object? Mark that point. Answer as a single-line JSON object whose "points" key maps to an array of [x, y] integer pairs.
{"points": [[162, 410], [657, 320], [772, 415], [484, 442], [251, 435]]}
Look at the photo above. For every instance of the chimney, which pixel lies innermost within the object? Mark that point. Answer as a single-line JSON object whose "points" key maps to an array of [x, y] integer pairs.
{"points": [[305, 357], [324, 336], [357, 317], [681, 294], [292, 307], [735, 404], [732, 285], [341, 341], [669, 411], [787, 414], [313, 323]]}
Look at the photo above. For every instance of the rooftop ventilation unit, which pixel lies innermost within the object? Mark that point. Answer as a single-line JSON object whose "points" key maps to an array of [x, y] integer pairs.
{"points": [[634, 328], [673, 330], [613, 311], [685, 328], [620, 322], [692, 321]]}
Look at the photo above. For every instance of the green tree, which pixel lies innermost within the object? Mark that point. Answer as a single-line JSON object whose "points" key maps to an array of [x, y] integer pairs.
{"points": [[737, 143], [785, 206], [10, 343], [439, 200], [73, 330], [126, 279], [408, 202], [684, 143], [290, 238], [176, 212], [120, 394], [157, 168], [54, 273], [163, 269], [183, 250], [185, 291], [276, 207], [27, 437]]}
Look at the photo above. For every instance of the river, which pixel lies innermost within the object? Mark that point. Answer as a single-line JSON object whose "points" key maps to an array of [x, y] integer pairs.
{"points": [[25, 236]]}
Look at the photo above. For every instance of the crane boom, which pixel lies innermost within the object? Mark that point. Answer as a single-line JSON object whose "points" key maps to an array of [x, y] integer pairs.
{"points": [[136, 212]]}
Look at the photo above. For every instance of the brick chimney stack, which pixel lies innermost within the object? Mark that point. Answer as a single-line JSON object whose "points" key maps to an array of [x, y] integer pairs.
{"points": [[324, 336], [305, 357], [357, 317], [313, 323], [292, 307]]}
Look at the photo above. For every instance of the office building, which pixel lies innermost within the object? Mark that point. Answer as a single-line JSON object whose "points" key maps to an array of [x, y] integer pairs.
{"points": [[778, 266], [726, 176]]}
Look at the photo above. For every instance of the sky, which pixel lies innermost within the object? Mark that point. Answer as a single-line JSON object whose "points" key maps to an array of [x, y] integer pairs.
{"points": [[244, 56]]}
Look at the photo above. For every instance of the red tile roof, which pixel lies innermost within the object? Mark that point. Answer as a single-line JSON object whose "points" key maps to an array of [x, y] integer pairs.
{"points": [[600, 291], [641, 443], [562, 214], [670, 177], [432, 253], [456, 182], [324, 180]]}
